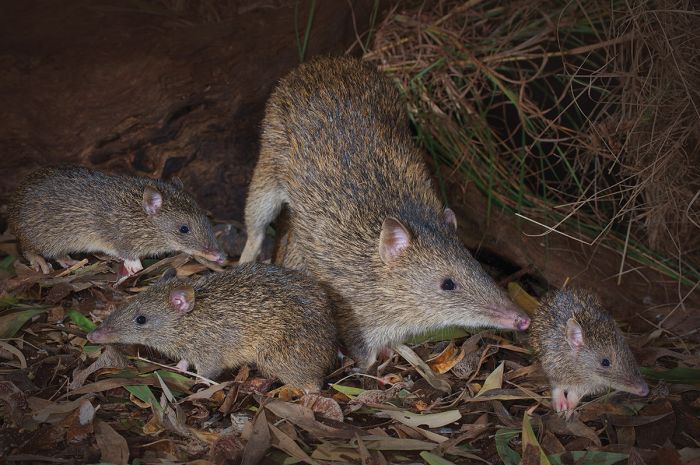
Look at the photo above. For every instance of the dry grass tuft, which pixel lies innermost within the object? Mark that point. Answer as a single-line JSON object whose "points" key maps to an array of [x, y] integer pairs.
{"points": [[582, 117]]}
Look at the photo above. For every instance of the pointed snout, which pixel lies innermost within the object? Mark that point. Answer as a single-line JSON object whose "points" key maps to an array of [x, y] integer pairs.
{"points": [[214, 255], [640, 388], [508, 316], [101, 336], [522, 322]]}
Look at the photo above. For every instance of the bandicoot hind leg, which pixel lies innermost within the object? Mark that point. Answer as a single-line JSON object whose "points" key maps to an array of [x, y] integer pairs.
{"points": [[265, 200], [66, 261]]}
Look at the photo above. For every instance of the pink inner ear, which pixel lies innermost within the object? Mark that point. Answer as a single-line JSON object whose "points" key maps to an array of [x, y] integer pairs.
{"points": [[393, 239], [180, 302], [152, 201], [449, 218], [574, 334]]}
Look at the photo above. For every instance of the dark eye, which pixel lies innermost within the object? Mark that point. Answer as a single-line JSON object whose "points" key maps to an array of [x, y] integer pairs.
{"points": [[605, 362], [184, 229], [140, 320], [448, 285]]}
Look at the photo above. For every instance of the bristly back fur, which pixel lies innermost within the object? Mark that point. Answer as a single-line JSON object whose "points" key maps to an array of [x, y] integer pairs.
{"points": [[276, 318], [336, 148], [57, 211]]}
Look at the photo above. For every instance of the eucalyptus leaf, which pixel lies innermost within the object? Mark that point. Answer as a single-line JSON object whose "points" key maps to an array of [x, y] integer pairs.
{"points": [[674, 375], [587, 457], [81, 320], [10, 324], [433, 459], [502, 438]]}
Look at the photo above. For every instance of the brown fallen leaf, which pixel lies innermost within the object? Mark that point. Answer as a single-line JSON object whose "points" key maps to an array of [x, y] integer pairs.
{"points": [[635, 458], [365, 457], [447, 359], [660, 431], [208, 392], [531, 455], [493, 381], [324, 406], [436, 381], [303, 417], [113, 446], [14, 351], [79, 424], [522, 298], [559, 425], [286, 393], [551, 444], [13, 400], [227, 449], [635, 420], [254, 385], [288, 446], [110, 357], [466, 366], [53, 412], [259, 441]]}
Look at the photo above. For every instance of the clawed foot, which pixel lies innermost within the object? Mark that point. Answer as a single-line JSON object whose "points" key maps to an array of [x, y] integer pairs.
{"points": [[38, 263], [66, 262], [183, 365], [128, 268], [564, 402]]}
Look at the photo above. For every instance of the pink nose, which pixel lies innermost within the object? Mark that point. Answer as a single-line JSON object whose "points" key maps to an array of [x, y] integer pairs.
{"points": [[522, 323], [99, 336], [642, 389], [94, 336], [215, 256]]}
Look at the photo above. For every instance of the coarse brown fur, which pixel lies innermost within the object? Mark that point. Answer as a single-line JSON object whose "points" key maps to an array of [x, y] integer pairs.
{"points": [[58, 211], [276, 318], [577, 371], [336, 148]]}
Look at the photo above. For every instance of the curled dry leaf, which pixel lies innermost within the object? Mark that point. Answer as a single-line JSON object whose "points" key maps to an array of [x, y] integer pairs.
{"points": [[324, 406], [208, 392], [286, 393], [227, 449], [447, 359], [378, 396], [14, 351], [466, 366], [13, 401], [109, 358], [423, 369], [79, 424]]}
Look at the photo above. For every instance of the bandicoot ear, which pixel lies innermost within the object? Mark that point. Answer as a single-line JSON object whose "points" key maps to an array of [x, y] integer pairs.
{"points": [[448, 216], [393, 239], [152, 200], [182, 299], [177, 182], [170, 273], [574, 334]]}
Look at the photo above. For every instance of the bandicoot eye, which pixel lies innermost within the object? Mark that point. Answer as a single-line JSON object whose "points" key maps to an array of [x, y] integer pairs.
{"points": [[448, 285], [605, 362], [140, 320], [184, 229]]}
